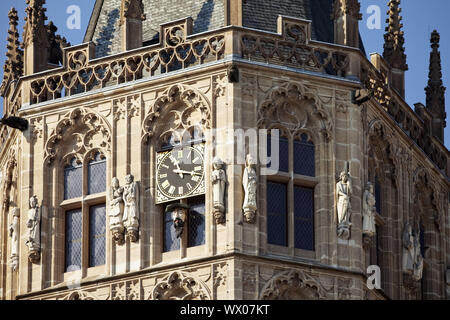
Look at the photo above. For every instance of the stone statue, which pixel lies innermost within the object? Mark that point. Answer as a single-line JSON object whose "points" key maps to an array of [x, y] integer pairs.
{"points": [[343, 195], [369, 211], [34, 230], [408, 249], [250, 183], [131, 212], [418, 259], [116, 212], [14, 235], [412, 255], [218, 180]]}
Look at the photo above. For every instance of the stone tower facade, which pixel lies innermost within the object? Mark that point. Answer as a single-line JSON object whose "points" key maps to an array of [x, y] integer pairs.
{"points": [[98, 203]]}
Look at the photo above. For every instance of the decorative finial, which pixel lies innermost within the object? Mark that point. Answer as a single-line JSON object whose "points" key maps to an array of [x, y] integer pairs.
{"points": [[13, 68], [132, 9], [394, 40], [34, 29], [435, 90], [350, 7], [57, 44]]}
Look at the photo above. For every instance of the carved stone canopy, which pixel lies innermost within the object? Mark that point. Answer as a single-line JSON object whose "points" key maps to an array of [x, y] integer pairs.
{"points": [[82, 131], [181, 106], [180, 286], [293, 285], [294, 108]]}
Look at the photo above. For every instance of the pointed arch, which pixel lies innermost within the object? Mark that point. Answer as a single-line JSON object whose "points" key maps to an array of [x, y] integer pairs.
{"points": [[82, 130], [292, 106], [180, 106]]}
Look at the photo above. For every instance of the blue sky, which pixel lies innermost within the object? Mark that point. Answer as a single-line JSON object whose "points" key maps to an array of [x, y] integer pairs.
{"points": [[419, 20]]}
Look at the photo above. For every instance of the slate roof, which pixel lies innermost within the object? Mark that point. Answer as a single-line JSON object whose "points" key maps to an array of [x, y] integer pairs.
{"points": [[207, 15]]}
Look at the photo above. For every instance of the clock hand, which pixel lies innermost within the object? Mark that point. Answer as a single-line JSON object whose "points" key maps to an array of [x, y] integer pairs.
{"points": [[176, 163], [192, 173]]}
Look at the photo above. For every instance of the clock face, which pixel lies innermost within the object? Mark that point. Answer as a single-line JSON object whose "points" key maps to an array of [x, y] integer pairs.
{"points": [[180, 173]]}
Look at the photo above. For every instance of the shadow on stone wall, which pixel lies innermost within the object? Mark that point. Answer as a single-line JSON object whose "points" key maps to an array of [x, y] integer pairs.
{"points": [[203, 19], [104, 42]]}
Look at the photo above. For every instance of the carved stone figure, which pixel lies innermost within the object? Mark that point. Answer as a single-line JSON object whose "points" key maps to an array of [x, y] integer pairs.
{"points": [[131, 212], [412, 256], [116, 212], [250, 182], [343, 195], [369, 210], [34, 230], [14, 235], [218, 180], [418, 259]]}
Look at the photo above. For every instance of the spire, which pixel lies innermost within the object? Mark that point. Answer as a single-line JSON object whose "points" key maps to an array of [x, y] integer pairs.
{"points": [[435, 90], [346, 15], [34, 30], [35, 39], [131, 17], [346, 7], [394, 40], [13, 68], [56, 44]]}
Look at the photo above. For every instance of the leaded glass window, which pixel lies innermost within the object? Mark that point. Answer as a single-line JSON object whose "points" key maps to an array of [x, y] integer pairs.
{"points": [[74, 226], [304, 157], [196, 224], [73, 180], [283, 155], [97, 175], [91, 219], [97, 235], [304, 218], [171, 242], [277, 213]]}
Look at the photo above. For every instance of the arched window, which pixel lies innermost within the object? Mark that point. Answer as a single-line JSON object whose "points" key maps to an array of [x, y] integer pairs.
{"points": [[73, 180], [290, 195], [97, 174], [304, 157], [85, 214], [283, 152], [277, 219]]}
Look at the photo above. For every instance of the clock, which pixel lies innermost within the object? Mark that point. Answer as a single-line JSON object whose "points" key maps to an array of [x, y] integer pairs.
{"points": [[180, 173]]}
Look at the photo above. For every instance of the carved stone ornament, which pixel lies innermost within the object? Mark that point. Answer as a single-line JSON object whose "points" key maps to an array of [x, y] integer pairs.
{"points": [[181, 106], [34, 231], [131, 211], [219, 181], [81, 130], [179, 286], [369, 211], [250, 184], [14, 227], [296, 108], [116, 212], [293, 285], [343, 206], [132, 9]]}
